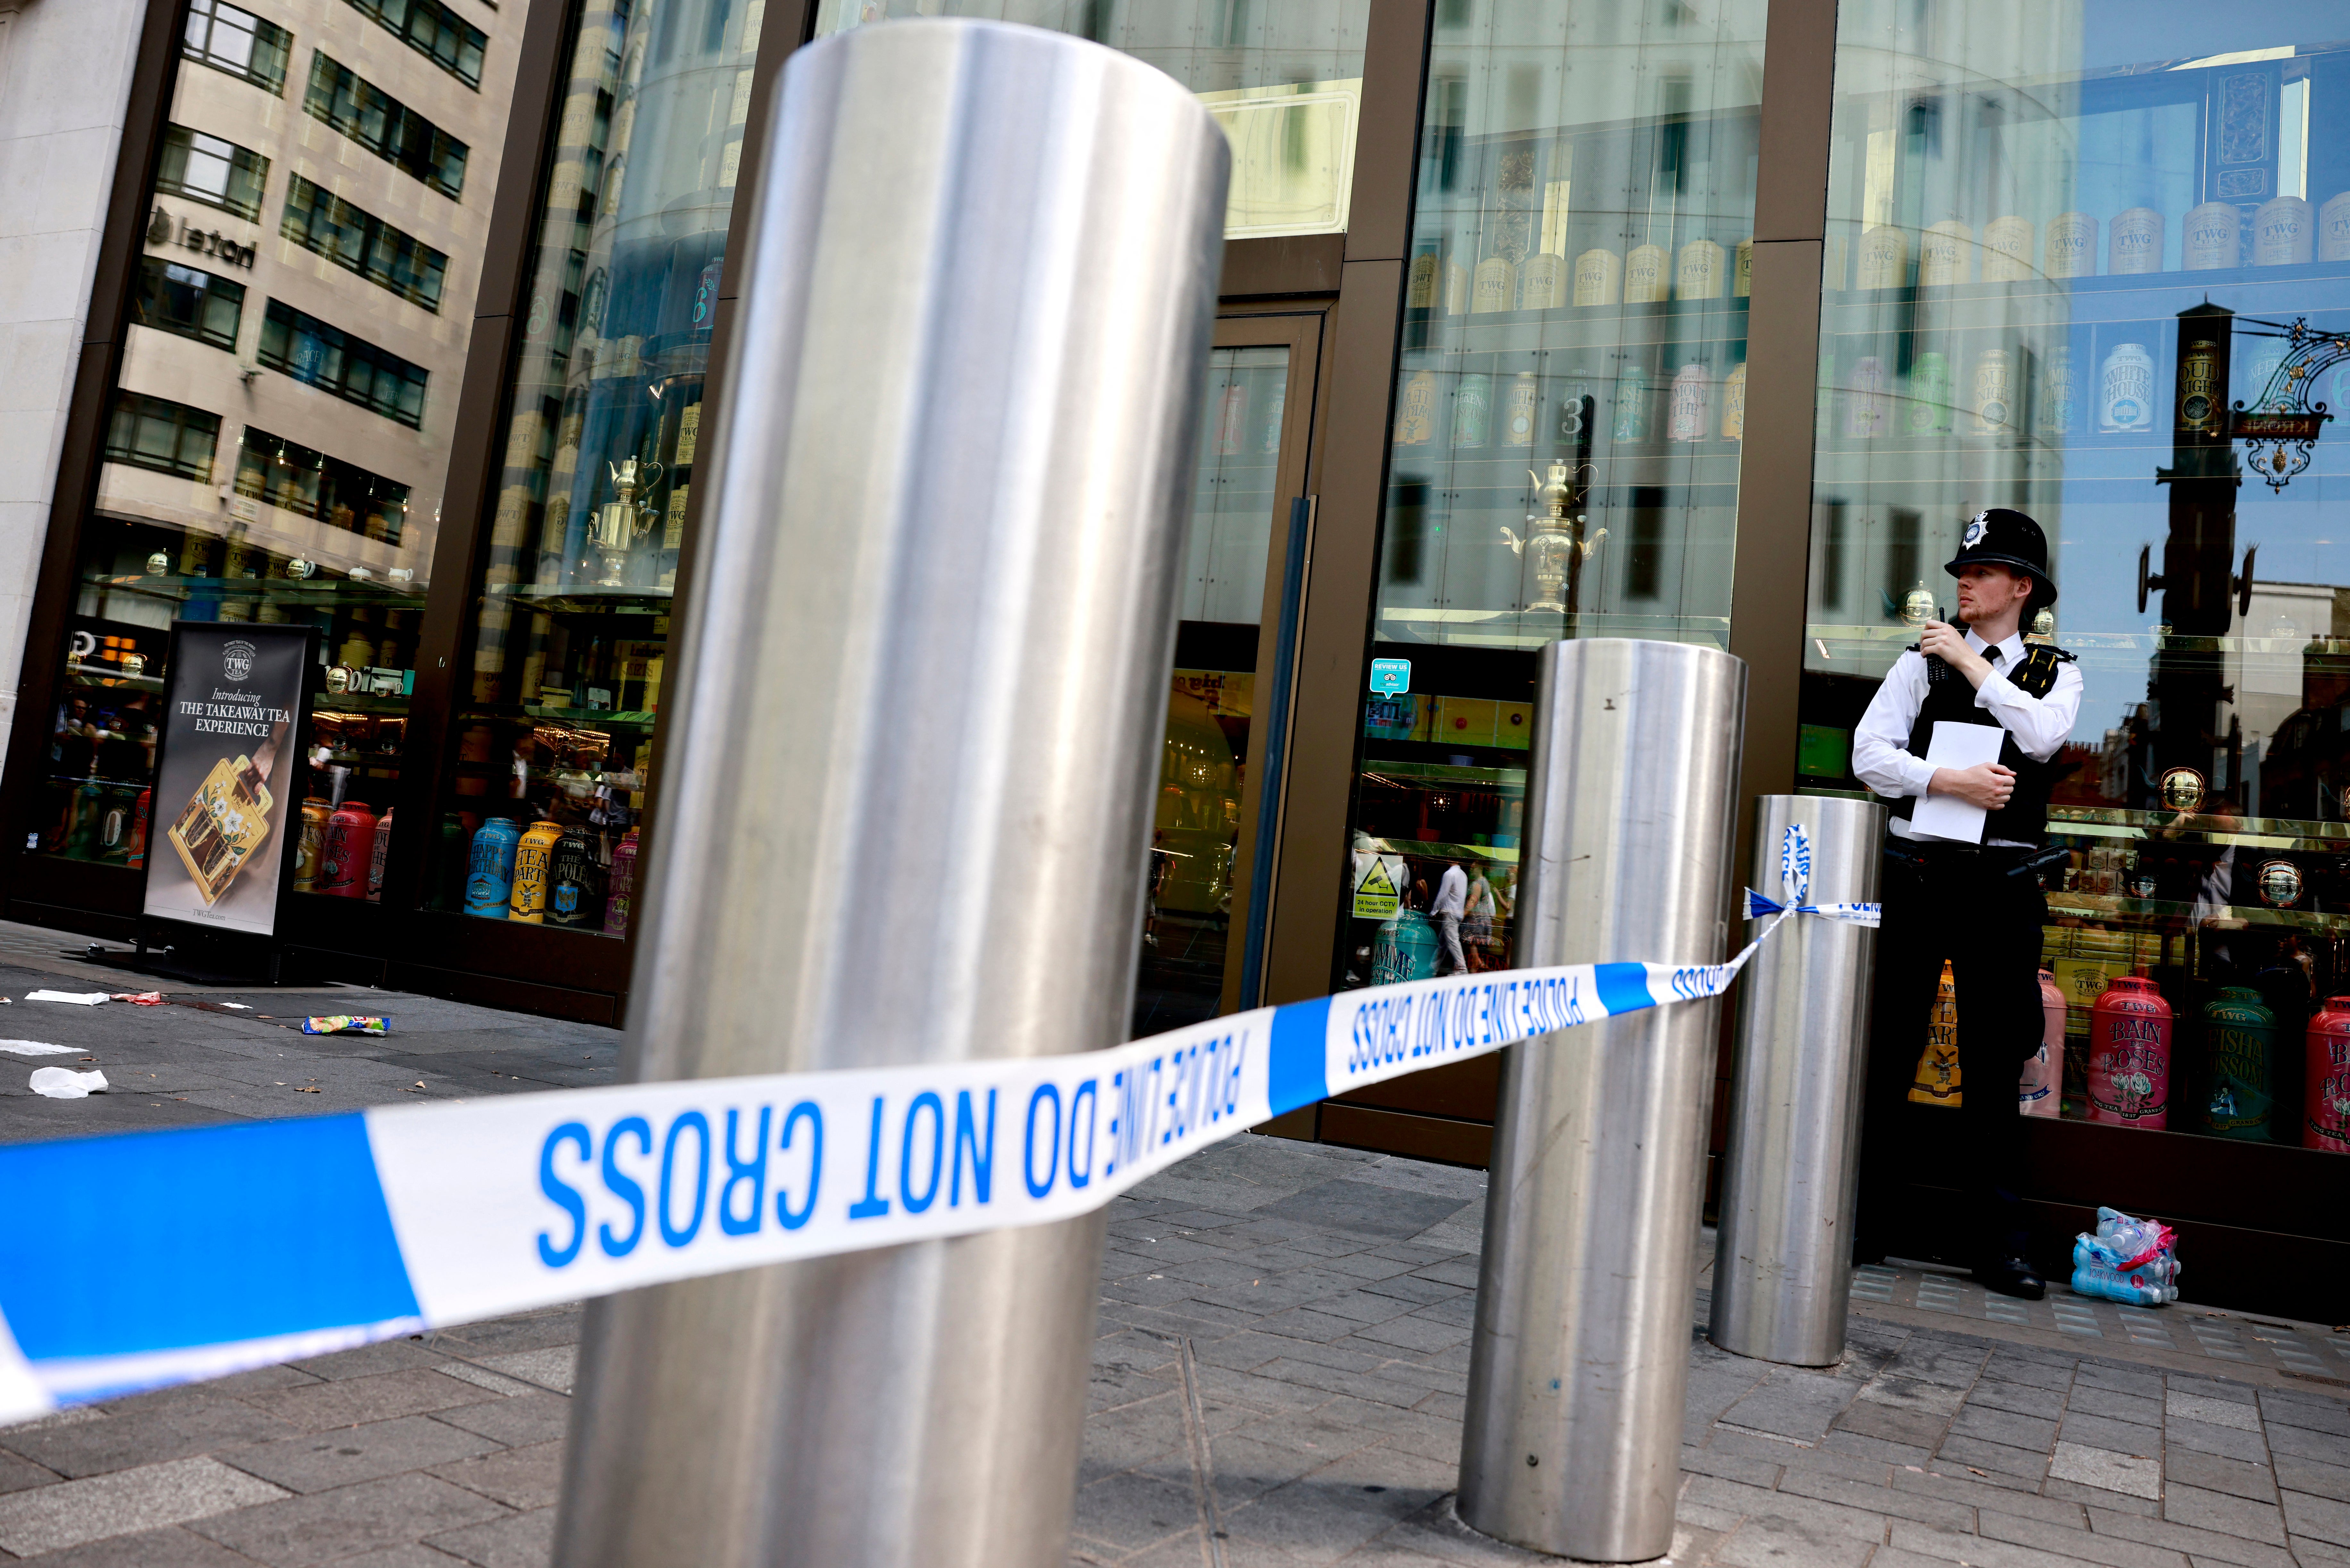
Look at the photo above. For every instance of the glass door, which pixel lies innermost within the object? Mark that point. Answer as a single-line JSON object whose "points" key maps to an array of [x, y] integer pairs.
{"points": [[1242, 562]]}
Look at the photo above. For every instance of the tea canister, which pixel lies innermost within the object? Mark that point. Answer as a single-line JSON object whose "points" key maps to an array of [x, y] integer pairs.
{"points": [[2129, 1054]]}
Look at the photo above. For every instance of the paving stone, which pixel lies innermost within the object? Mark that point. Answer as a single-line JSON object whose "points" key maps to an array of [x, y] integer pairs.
{"points": [[1921, 1429], [2022, 1399], [1930, 1359], [1818, 1518], [525, 1541], [2319, 1518], [1132, 1511], [1861, 1446], [2003, 1493], [390, 1356], [2305, 1411], [2118, 1379], [169, 1548], [2003, 1427], [2202, 1546], [2191, 1505], [552, 1367], [2303, 1443], [322, 1406], [520, 1478], [2107, 1469], [2087, 1545], [2137, 1409], [1773, 1543], [2295, 1473], [1364, 1208], [326, 1525], [1790, 1403], [2206, 1438], [2185, 1407], [141, 1432], [1751, 1469], [2120, 1436], [1884, 1499], [2213, 1473], [16, 1474], [1937, 1399], [320, 1462], [1917, 1541], [517, 1422], [177, 1491], [1997, 1458]]}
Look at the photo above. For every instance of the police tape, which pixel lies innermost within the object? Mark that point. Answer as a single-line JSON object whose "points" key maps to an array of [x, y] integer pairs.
{"points": [[142, 1259]]}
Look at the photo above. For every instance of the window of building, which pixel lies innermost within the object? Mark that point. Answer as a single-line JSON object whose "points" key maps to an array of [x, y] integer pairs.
{"points": [[2100, 273], [318, 219], [188, 301], [1283, 77], [334, 361], [238, 41], [213, 171], [434, 31], [157, 433], [384, 126], [552, 725], [340, 494], [1568, 425]]}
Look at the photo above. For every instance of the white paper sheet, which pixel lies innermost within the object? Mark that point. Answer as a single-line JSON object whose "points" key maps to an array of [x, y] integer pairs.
{"points": [[1956, 746], [78, 998], [39, 1048]]}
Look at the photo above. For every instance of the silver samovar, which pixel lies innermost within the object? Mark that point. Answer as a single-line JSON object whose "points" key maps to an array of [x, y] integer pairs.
{"points": [[620, 524], [1554, 542]]}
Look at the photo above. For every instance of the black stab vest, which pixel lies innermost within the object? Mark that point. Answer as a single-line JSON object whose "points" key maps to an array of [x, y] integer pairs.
{"points": [[1950, 700]]}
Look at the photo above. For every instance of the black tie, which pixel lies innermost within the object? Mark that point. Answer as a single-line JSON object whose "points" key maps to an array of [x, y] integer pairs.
{"points": [[1991, 654]]}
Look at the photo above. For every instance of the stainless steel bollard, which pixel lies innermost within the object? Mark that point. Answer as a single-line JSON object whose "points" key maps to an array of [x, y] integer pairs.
{"points": [[908, 789], [1571, 1441], [1782, 1267]]}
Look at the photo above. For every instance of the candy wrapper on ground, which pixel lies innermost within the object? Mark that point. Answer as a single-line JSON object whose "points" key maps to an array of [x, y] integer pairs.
{"points": [[2130, 1260], [346, 1023]]}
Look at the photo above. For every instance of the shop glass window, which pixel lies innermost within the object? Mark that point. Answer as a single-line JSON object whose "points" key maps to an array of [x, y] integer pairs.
{"points": [[231, 40], [318, 219], [332, 361], [159, 434], [554, 720], [384, 126], [434, 31], [1283, 77], [340, 494], [2100, 271], [213, 171], [1569, 414], [188, 301]]}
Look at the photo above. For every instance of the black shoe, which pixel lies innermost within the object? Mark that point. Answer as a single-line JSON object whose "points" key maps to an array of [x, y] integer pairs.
{"points": [[2012, 1277]]}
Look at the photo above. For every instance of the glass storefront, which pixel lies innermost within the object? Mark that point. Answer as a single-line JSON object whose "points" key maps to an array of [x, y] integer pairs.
{"points": [[1569, 416], [273, 453], [536, 819], [1283, 77], [1195, 889], [2093, 261]]}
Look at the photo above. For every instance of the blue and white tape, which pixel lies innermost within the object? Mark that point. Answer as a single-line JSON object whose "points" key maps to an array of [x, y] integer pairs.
{"points": [[142, 1259]]}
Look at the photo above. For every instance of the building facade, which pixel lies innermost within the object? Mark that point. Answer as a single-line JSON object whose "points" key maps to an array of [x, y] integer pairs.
{"points": [[1707, 320]]}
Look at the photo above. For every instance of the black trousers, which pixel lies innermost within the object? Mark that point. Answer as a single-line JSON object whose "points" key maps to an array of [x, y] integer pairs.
{"points": [[1960, 905]]}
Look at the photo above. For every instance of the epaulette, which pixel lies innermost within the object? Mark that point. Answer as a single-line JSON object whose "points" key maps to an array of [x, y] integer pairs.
{"points": [[2036, 676]]}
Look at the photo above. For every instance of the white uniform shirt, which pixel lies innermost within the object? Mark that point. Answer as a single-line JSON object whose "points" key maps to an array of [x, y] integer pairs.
{"points": [[1881, 747], [1451, 892]]}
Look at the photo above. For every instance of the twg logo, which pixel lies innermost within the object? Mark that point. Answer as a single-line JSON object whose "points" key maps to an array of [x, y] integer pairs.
{"points": [[236, 660]]}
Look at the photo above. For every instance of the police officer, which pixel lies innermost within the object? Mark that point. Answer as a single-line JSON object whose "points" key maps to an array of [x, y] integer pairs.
{"points": [[1976, 904]]}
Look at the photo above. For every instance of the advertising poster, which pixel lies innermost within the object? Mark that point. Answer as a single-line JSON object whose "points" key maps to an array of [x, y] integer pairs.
{"points": [[224, 793]]}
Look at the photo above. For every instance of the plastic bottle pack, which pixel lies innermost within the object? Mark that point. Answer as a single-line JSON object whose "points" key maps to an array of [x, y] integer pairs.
{"points": [[2128, 1259]]}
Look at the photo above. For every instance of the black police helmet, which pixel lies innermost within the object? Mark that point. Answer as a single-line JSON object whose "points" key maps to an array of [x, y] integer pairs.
{"points": [[2003, 536]]}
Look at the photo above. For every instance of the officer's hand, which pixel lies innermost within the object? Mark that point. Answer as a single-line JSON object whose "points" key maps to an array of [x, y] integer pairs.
{"points": [[1948, 643], [1986, 784]]}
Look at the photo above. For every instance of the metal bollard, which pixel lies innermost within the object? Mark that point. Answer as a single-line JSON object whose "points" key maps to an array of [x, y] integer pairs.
{"points": [[1783, 1266], [1572, 1440], [909, 783]]}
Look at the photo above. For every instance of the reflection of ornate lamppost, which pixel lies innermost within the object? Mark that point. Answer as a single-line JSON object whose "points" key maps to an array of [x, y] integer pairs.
{"points": [[1554, 542], [620, 524]]}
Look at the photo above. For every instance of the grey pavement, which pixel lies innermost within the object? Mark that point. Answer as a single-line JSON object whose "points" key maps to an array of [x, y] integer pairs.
{"points": [[1279, 1368]]}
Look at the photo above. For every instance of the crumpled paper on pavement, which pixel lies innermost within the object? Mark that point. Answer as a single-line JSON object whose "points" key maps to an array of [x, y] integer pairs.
{"points": [[65, 1083], [78, 998]]}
